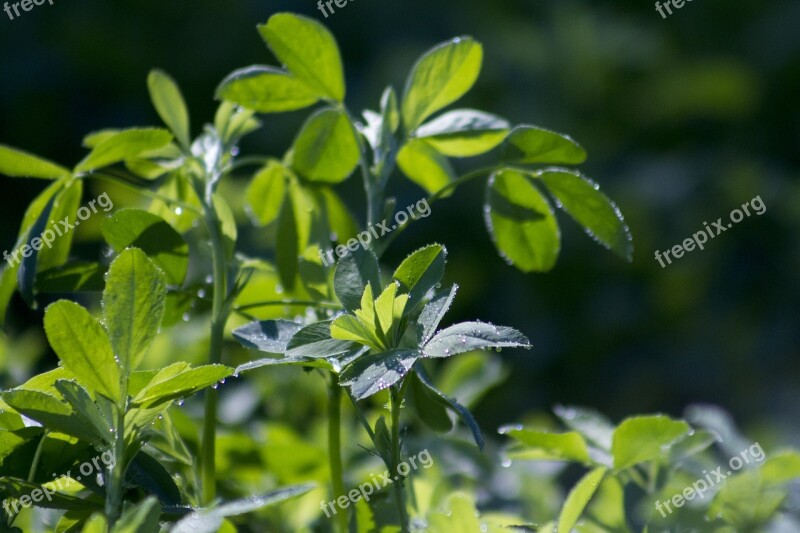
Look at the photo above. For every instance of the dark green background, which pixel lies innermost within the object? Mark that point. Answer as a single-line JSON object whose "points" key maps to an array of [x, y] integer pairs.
{"points": [[684, 119]]}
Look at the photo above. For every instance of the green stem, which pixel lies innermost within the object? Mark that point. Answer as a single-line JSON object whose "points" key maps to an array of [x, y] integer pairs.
{"points": [[310, 303], [372, 189], [335, 448], [247, 161], [431, 199], [32, 470], [144, 192], [117, 470], [395, 402], [219, 316]]}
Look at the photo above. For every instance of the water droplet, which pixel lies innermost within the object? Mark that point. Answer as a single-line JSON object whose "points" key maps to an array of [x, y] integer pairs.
{"points": [[215, 386], [179, 402], [235, 151], [179, 211], [209, 279], [201, 293], [186, 317], [278, 289]]}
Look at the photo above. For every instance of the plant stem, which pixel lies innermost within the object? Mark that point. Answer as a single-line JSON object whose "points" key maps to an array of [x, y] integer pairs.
{"points": [[431, 199], [395, 402], [219, 316], [117, 469], [308, 303], [372, 189], [335, 448]]}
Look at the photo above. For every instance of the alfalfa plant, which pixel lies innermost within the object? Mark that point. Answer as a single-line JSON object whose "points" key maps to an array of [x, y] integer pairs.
{"points": [[388, 326], [380, 328]]}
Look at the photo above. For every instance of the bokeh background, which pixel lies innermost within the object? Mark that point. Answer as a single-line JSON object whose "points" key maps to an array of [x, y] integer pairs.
{"points": [[684, 120]]}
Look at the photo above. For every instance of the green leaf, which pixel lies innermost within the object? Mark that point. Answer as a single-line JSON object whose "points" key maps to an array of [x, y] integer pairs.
{"points": [[644, 438], [594, 427], [123, 145], [96, 524], [83, 347], [287, 248], [79, 276], [87, 410], [472, 375], [308, 50], [747, 502], [48, 411], [266, 90], [440, 77], [17, 488], [26, 273], [461, 516], [151, 234], [271, 336], [353, 272], [227, 225], [372, 373], [579, 498], [425, 166], [46, 381], [66, 205], [266, 193], [429, 406], [315, 341], [582, 199], [464, 132], [780, 468], [146, 472], [530, 144], [142, 517], [169, 103], [420, 272], [350, 328], [340, 220], [233, 122], [433, 312], [691, 445], [521, 222], [183, 384], [539, 445], [15, 163], [326, 149], [469, 336], [210, 520], [133, 305]]}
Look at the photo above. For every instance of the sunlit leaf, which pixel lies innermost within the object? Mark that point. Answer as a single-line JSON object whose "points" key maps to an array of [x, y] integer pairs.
{"points": [[521, 222], [308, 50], [440, 77]]}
